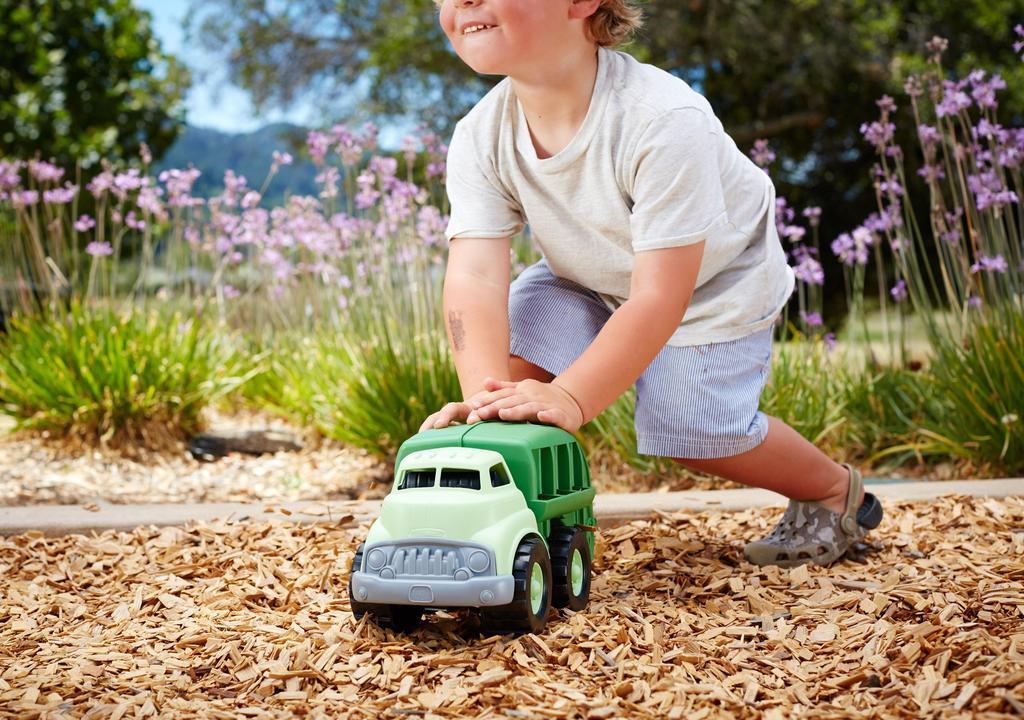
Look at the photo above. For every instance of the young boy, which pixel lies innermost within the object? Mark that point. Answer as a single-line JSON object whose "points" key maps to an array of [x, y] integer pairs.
{"points": [[662, 265]]}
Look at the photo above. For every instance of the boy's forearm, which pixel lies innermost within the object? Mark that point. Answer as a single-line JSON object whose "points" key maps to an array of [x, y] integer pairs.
{"points": [[476, 321], [630, 339]]}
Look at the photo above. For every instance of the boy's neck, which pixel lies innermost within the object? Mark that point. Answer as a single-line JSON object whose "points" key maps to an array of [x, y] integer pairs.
{"points": [[556, 98]]}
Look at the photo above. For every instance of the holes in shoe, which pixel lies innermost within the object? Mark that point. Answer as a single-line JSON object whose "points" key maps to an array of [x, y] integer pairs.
{"points": [[803, 556], [822, 550], [782, 556]]}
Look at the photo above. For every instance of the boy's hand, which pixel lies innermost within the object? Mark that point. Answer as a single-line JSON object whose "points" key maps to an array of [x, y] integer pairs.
{"points": [[455, 411], [545, 402]]}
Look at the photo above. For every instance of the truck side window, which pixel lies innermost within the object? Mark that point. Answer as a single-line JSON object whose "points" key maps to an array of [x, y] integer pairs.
{"points": [[498, 476], [417, 479], [460, 478]]}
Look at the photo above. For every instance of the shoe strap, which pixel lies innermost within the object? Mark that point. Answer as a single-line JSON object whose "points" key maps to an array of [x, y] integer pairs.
{"points": [[849, 519]]}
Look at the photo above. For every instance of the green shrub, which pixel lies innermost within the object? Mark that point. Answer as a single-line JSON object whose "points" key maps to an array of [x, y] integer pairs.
{"points": [[121, 378], [981, 382]]}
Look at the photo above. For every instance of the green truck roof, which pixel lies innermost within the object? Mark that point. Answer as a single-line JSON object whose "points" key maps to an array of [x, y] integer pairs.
{"points": [[546, 463]]}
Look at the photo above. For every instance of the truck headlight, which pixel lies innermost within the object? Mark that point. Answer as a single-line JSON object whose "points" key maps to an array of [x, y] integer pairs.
{"points": [[376, 559], [478, 561]]}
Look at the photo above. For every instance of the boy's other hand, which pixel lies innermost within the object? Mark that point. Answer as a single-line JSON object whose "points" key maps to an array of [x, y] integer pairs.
{"points": [[455, 411], [545, 402]]}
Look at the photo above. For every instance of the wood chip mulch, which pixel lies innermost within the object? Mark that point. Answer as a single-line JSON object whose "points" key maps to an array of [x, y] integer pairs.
{"points": [[252, 620]]}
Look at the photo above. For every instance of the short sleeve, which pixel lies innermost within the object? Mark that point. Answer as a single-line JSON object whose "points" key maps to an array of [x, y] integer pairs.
{"points": [[677, 185], [480, 207]]}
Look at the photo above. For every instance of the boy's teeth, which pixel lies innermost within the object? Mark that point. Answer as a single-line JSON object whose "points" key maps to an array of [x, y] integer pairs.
{"points": [[474, 28]]}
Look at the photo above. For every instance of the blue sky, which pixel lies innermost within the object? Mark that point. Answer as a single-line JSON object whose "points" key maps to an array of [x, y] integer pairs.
{"points": [[214, 102]]}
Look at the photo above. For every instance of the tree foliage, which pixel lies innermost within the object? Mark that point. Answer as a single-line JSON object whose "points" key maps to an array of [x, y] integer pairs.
{"points": [[803, 73], [85, 79]]}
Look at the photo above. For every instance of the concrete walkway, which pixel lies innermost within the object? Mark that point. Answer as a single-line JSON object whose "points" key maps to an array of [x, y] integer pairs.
{"points": [[611, 509]]}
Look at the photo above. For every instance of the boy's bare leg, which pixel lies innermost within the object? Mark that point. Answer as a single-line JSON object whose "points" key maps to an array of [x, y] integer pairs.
{"points": [[525, 370], [785, 463]]}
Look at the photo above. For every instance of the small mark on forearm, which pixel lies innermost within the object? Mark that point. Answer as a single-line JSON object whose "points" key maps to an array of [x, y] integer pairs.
{"points": [[457, 329]]}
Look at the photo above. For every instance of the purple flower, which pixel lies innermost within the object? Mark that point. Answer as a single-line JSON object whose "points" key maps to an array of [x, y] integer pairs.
{"points": [[936, 46], [60, 196], [328, 179], [974, 301], [931, 173], [852, 248], [101, 183], [899, 291], [317, 143], [878, 133], [230, 291], [830, 341], [25, 198], [913, 87], [134, 223], [84, 224], [282, 158], [409, 149], [44, 171], [954, 100], [984, 93], [10, 174], [813, 215], [762, 154], [811, 319], [990, 264], [1018, 47], [99, 249], [886, 104], [929, 136], [989, 191], [808, 269]]}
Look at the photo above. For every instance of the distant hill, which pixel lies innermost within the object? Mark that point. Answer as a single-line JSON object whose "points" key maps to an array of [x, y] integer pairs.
{"points": [[249, 154]]}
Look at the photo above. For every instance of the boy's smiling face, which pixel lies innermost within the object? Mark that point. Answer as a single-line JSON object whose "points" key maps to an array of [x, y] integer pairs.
{"points": [[511, 37]]}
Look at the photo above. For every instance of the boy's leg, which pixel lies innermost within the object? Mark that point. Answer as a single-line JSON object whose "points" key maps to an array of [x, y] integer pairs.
{"points": [[521, 369], [785, 463]]}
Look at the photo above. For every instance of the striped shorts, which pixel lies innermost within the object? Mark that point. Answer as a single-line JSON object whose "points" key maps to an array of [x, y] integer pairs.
{"points": [[696, 402]]}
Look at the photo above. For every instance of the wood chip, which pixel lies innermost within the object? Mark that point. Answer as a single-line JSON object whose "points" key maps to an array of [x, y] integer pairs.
{"points": [[253, 619]]}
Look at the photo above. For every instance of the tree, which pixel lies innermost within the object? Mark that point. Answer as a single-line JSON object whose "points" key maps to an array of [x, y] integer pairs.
{"points": [[85, 79]]}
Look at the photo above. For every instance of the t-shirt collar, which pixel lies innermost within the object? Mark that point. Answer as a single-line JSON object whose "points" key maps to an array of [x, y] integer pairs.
{"points": [[581, 140]]}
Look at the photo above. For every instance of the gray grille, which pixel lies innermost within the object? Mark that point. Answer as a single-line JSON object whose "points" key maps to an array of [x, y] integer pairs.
{"points": [[425, 561]]}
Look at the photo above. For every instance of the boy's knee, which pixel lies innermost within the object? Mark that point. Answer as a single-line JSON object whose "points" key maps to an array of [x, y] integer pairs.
{"points": [[521, 369]]}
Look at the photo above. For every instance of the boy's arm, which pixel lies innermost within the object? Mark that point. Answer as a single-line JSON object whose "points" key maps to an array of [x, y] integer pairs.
{"points": [[476, 286], [660, 290]]}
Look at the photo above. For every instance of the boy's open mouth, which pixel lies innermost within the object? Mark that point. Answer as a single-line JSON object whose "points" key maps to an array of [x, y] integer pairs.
{"points": [[476, 28]]}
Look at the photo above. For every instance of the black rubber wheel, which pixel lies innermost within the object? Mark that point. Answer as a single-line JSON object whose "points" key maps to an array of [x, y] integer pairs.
{"points": [[570, 568], [531, 600], [401, 618], [358, 608]]}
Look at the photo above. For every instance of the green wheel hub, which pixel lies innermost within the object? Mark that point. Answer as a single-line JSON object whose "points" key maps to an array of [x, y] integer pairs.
{"points": [[576, 572], [536, 588]]}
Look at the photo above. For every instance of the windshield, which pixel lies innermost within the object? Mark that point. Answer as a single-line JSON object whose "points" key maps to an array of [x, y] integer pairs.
{"points": [[417, 479], [460, 478]]}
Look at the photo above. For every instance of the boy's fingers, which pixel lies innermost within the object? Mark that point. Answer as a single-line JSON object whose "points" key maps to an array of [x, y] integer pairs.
{"points": [[495, 407], [481, 399], [522, 412]]}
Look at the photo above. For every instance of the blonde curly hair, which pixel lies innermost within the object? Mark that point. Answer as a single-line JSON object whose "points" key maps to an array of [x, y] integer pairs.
{"points": [[613, 23]]}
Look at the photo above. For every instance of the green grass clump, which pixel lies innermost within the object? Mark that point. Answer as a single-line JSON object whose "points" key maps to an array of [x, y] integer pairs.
{"points": [[121, 378], [371, 392], [980, 381]]}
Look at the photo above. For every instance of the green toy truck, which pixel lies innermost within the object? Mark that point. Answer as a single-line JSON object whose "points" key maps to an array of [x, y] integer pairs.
{"points": [[496, 516]]}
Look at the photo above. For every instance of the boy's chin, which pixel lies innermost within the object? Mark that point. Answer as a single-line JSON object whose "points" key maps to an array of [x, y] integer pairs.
{"points": [[483, 66]]}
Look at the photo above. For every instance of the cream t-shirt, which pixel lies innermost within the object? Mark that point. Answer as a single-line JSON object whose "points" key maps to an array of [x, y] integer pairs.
{"points": [[649, 168]]}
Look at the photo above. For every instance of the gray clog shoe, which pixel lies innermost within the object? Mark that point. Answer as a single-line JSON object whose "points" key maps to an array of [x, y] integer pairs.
{"points": [[810, 532]]}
